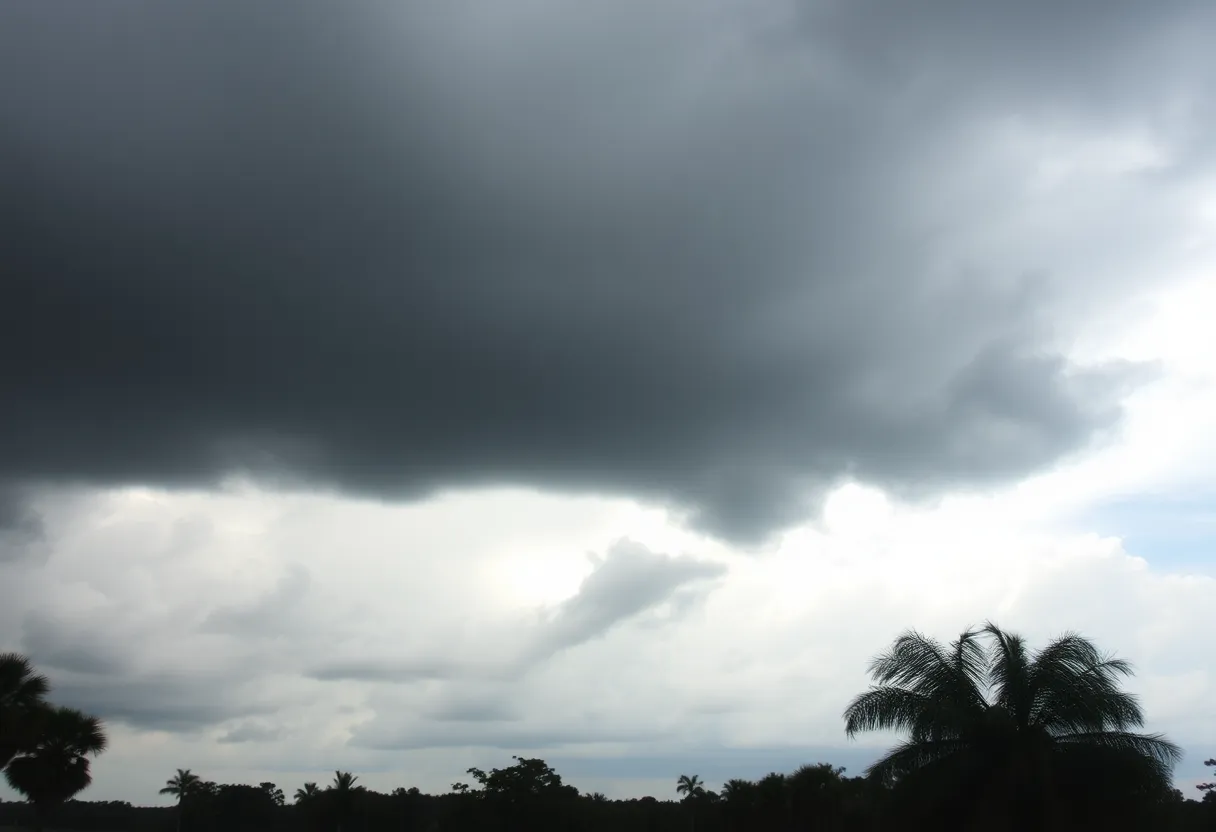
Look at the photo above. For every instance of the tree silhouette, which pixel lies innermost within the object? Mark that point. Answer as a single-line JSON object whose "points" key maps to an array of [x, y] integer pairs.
{"points": [[273, 792], [1009, 729], [343, 791], [307, 792], [690, 786], [1208, 789], [22, 693], [181, 785], [55, 766]]}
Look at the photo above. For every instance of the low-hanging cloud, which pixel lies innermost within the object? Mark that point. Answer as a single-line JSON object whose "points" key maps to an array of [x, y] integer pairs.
{"points": [[718, 255]]}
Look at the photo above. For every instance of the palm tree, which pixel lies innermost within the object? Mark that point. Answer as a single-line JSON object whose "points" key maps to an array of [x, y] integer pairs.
{"points": [[693, 788], [55, 766], [1013, 729], [22, 692], [181, 785], [690, 786], [344, 781], [308, 792], [343, 789], [739, 799]]}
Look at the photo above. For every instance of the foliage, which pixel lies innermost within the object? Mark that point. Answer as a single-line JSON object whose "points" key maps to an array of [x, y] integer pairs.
{"points": [[990, 728], [22, 694], [1208, 789], [54, 766], [994, 731], [182, 784]]}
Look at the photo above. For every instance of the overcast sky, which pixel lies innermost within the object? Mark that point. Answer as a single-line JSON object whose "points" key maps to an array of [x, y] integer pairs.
{"points": [[400, 387]]}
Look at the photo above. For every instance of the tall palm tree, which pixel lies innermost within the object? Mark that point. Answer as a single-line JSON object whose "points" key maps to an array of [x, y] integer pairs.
{"points": [[308, 792], [22, 693], [691, 786], [343, 789], [55, 766], [182, 785], [344, 781], [1015, 730]]}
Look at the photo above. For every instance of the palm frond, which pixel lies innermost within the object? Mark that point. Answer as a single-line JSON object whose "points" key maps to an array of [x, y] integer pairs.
{"points": [[1076, 688], [1009, 673], [920, 663], [1115, 762], [911, 756], [1153, 746], [885, 708], [20, 684]]}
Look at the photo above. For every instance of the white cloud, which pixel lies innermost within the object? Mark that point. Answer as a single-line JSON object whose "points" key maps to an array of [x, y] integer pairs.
{"points": [[766, 660]]}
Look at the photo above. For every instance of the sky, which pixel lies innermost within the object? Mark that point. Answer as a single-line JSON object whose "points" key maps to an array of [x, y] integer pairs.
{"points": [[399, 387]]}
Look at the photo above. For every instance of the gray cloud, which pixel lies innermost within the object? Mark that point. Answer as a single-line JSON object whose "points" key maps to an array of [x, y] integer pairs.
{"points": [[387, 670], [628, 580], [510, 736], [99, 661], [696, 253], [267, 616], [54, 644], [251, 732], [483, 705], [166, 703], [21, 526]]}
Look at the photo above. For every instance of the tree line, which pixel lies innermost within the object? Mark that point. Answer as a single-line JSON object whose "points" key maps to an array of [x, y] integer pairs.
{"points": [[995, 737]]}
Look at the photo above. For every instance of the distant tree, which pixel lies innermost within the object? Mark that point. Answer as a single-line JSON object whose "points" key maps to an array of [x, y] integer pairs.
{"points": [[596, 797], [818, 792], [690, 786], [274, 793], [181, 785], [736, 789], [693, 789], [528, 776], [1015, 731], [1208, 789], [527, 795], [22, 694], [307, 792], [55, 765], [343, 791]]}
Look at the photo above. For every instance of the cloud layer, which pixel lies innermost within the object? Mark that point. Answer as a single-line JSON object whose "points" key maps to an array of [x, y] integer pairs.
{"points": [[639, 662], [717, 255]]}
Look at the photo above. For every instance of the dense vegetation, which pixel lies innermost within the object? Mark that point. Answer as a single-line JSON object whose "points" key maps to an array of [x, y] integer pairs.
{"points": [[995, 737], [44, 749]]}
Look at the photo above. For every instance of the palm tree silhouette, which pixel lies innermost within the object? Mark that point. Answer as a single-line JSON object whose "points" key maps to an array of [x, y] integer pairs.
{"points": [[344, 781], [308, 792], [181, 785], [986, 717], [55, 766], [690, 786], [22, 692], [343, 790]]}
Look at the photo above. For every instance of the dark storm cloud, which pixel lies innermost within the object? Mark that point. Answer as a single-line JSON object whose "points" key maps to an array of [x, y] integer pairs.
{"points": [[21, 525], [651, 249]]}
